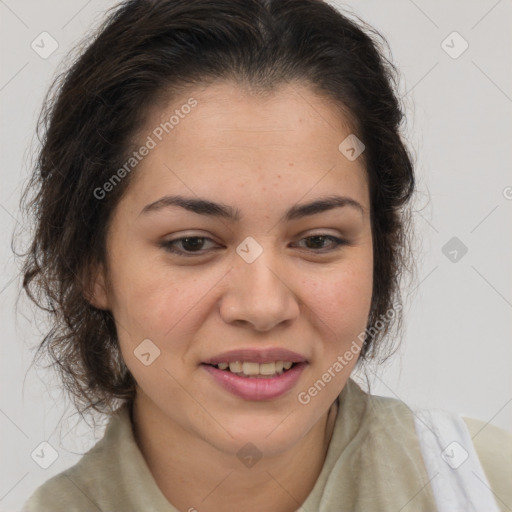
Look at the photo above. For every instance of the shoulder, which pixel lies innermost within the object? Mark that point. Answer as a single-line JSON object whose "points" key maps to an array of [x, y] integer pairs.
{"points": [[77, 488], [493, 446], [489, 447], [63, 492]]}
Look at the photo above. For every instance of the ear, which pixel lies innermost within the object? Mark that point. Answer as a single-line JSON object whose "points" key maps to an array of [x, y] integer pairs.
{"points": [[95, 289]]}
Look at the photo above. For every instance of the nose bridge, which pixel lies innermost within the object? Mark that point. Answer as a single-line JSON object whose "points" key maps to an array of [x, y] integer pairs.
{"points": [[258, 293], [262, 277]]}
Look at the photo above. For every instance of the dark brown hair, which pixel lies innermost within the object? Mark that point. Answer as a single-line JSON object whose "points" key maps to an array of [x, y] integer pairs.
{"points": [[145, 52]]}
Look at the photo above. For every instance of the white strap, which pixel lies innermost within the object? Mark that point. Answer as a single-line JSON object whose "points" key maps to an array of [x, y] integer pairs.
{"points": [[457, 478]]}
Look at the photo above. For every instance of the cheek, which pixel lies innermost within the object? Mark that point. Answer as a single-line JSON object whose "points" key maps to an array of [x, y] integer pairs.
{"points": [[157, 303], [341, 300], [163, 309]]}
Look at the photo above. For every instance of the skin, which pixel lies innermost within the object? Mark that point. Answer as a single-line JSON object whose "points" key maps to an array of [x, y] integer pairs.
{"points": [[262, 155]]}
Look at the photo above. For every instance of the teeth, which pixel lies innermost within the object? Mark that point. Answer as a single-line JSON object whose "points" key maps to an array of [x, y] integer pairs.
{"points": [[252, 369], [266, 368], [235, 367]]}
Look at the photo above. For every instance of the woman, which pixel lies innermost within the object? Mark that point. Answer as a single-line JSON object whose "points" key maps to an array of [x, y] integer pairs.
{"points": [[221, 199]]}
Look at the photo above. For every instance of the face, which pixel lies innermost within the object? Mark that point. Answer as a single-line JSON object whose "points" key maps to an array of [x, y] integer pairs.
{"points": [[258, 279]]}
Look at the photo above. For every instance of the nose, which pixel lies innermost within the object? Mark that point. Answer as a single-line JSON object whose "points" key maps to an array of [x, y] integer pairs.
{"points": [[259, 295]]}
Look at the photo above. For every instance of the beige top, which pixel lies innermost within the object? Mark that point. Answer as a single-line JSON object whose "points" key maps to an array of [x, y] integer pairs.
{"points": [[374, 463]]}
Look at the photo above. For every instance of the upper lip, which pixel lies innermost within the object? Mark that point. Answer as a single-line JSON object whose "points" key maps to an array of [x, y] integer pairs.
{"points": [[257, 356]]}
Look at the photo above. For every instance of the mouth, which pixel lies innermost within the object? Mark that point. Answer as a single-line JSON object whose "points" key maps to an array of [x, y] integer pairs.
{"points": [[255, 370], [256, 374]]}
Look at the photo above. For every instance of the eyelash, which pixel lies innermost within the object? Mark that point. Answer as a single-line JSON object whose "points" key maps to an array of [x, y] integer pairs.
{"points": [[169, 245]]}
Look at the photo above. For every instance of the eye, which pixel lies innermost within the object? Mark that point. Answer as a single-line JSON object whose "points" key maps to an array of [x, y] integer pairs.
{"points": [[194, 245], [320, 239], [190, 244]]}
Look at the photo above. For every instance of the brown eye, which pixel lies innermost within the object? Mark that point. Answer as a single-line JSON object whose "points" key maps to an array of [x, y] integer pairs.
{"points": [[190, 245], [317, 242], [194, 245]]}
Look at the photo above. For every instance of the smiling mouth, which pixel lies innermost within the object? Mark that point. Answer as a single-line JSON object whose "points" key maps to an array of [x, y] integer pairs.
{"points": [[255, 370]]}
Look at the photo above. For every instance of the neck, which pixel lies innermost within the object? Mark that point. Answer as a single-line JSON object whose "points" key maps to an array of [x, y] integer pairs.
{"points": [[192, 474]]}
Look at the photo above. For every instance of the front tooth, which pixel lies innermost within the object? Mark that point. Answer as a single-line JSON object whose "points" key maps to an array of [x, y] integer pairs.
{"points": [[251, 368], [235, 367], [287, 365], [268, 368], [279, 366], [223, 366]]}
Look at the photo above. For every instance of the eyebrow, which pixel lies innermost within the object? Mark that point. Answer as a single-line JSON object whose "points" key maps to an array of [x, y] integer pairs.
{"points": [[220, 210]]}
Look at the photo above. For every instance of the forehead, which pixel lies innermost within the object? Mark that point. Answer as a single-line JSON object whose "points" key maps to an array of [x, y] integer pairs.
{"points": [[233, 140]]}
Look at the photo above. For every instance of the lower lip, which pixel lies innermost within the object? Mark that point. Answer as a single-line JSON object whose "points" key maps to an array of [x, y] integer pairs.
{"points": [[257, 388]]}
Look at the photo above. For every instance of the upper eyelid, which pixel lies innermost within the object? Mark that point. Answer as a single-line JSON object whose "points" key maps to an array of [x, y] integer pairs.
{"points": [[300, 235], [337, 241]]}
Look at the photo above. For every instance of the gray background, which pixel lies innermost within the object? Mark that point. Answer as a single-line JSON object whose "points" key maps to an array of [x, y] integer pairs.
{"points": [[456, 353]]}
